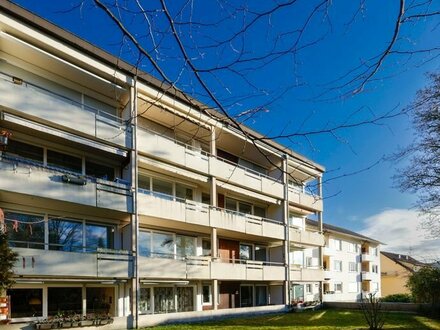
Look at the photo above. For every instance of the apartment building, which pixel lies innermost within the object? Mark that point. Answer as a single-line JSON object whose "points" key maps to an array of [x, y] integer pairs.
{"points": [[124, 197], [351, 265]]}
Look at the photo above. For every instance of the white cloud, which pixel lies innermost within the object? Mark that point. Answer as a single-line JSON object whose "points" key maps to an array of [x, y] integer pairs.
{"points": [[401, 231]]}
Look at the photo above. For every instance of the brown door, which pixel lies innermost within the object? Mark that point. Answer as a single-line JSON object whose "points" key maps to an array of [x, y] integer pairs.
{"points": [[221, 201], [228, 250], [229, 295]]}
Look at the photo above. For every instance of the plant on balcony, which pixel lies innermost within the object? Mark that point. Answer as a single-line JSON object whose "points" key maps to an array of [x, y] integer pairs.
{"points": [[371, 307]]}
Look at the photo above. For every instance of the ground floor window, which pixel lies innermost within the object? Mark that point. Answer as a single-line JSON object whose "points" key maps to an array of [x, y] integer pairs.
{"points": [[260, 295], [64, 300], [145, 300], [166, 299], [246, 296], [26, 302], [99, 300], [185, 299], [206, 292]]}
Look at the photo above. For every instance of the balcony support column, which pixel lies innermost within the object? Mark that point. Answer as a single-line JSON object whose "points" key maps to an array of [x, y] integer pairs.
{"points": [[286, 241], [214, 249], [134, 217], [215, 294], [212, 145]]}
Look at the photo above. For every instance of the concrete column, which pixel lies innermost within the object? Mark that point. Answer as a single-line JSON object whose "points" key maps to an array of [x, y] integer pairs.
{"points": [[213, 191], [84, 299], [286, 242], [214, 248], [212, 145], [214, 294]]}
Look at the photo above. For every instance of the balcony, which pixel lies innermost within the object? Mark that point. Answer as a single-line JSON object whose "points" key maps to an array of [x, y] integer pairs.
{"points": [[307, 237], [367, 276], [32, 178], [306, 199], [102, 264], [31, 100], [173, 151], [245, 177], [176, 152], [368, 257], [172, 208], [192, 268], [311, 274]]}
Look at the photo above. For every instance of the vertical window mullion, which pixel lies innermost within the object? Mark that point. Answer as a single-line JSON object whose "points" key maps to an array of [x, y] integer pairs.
{"points": [[84, 243], [46, 231]]}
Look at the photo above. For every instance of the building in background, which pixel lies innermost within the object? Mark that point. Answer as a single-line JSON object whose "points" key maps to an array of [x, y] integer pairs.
{"points": [[122, 197], [395, 270], [351, 265]]}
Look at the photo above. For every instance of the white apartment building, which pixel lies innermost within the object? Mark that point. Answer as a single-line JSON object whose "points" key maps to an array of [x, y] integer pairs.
{"points": [[351, 265], [123, 196]]}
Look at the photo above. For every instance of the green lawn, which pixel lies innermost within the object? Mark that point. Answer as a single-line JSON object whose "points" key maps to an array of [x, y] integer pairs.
{"points": [[320, 320]]}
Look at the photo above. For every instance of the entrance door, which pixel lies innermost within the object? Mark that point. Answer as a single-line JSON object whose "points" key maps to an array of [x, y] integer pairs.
{"points": [[228, 250]]}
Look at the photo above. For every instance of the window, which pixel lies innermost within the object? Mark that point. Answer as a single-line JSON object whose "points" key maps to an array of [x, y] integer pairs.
{"points": [[163, 245], [206, 198], [338, 287], [337, 266], [353, 287], [64, 299], [100, 300], [98, 236], [337, 244], [65, 235], [296, 185], [145, 243], [351, 247], [352, 267], [260, 253], [61, 160], [185, 246], [185, 298], [374, 287], [163, 187], [309, 261], [26, 302], [164, 300], [144, 182], [184, 192], [231, 204], [25, 230], [244, 208], [260, 211], [309, 289], [296, 220], [375, 269], [206, 247], [260, 295], [374, 251], [145, 300], [246, 296], [206, 295], [246, 252], [100, 171], [24, 150]]}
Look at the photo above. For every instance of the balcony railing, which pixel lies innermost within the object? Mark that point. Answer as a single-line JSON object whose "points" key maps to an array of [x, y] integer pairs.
{"points": [[46, 104], [306, 236], [170, 207], [105, 263], [47, 181]]}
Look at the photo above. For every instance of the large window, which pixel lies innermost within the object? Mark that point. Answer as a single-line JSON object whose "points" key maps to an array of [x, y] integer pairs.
{"points": [[246, 252], [66, 300], [25, 230], [26, 302], [24, 150], [164, 300], [163, 187], [261, 295], [185, 298], [260, 253], [246, 296], [100, 171], [68, 162], [245, 208], [145, 300], [98, 236], [166, 245], [100, 300], [206, 295], [65, 235]]}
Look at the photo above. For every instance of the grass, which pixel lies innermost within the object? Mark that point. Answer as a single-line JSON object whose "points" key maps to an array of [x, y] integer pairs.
{"points": [[327, 319]]}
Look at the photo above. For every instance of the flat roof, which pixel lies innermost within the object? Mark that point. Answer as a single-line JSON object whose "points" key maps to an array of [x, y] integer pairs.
{"points": [[91, 50]]}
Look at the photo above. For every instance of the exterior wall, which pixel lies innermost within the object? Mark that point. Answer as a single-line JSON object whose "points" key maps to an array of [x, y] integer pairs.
{"points": [[393, 278]]}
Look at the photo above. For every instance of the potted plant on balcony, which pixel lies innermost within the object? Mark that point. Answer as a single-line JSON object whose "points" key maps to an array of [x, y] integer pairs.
{"points": [[7, 261]]}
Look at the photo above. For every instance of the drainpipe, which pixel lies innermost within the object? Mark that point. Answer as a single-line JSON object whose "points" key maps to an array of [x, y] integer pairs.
{"points": [[321, 249]]}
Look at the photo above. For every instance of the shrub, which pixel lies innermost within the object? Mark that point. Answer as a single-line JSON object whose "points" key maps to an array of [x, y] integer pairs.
{"points": [[398, 297]]}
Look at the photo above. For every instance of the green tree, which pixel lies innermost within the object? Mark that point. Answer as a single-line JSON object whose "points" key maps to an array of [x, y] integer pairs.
{"points": [[424, 285], [7, 260]]}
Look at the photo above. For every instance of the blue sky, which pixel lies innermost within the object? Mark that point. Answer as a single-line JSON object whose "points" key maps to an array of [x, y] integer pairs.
{"points": [[353, 201]]}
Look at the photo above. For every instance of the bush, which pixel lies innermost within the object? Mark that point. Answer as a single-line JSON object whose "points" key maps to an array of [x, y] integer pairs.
{"points": [[398, 297]]}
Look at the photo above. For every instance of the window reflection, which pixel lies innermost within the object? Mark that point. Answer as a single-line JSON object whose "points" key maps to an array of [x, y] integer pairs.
{"points": [[65, 235], [163, 245], [98, 236], [25, 230]]}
